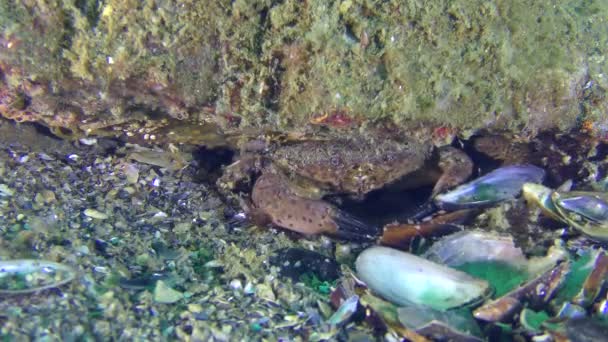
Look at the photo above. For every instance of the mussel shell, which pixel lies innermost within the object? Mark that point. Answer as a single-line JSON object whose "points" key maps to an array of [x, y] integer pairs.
{"points": [[592, 205], [584, 213], [595, 282], [472, 246], [536, 293], [406, 279], [540, 195], [345, 311], [28, 275], [499, 185]]}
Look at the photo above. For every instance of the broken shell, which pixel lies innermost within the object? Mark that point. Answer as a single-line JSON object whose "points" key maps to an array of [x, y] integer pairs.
{"points": [[28, 275], [345, 311], [388, 316], [453, 325], [499, 185], [536, 292], [572, 311], [602, 309], [498, 310], [476, 246], [402, 236], [406, 279], [595, 281], [487, 250]]}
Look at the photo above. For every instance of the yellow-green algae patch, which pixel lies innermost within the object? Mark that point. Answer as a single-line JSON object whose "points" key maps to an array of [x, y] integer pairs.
{"points": [[471, 64]]}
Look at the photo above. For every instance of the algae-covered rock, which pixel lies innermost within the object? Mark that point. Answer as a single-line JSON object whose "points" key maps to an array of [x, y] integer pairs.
{"points": [[115, 67]]}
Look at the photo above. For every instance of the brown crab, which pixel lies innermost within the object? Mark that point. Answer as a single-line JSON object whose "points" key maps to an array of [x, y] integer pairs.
{"points": [[287, 180]]}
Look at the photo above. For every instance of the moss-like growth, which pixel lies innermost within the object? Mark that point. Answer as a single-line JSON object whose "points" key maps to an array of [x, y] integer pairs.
{"points": [[469, 64], [322, 287], [112, 58]]}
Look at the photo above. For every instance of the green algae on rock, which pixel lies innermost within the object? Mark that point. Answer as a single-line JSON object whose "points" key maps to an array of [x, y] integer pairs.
{"points": [[498, 64]]}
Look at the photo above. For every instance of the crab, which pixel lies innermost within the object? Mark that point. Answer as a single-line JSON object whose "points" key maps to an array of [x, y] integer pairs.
{"points": [[284, 181]]}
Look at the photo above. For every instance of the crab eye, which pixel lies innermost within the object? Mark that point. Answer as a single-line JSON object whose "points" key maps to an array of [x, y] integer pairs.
{"points": [[334, 161]]}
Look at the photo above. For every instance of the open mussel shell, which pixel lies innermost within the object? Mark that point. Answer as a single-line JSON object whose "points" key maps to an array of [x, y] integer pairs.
{"points": [[591, 205], [474, 246], [406, 279], [499, 185], [28, 275], [585, 211], [493, 253], [540, 196]]}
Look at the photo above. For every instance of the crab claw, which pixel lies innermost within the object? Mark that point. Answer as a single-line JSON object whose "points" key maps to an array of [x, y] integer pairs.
{"points": [[349, 227], [272, 196]]}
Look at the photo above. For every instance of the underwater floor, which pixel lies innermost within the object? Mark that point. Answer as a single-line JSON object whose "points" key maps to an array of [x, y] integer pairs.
{"points": [[128, 243]]}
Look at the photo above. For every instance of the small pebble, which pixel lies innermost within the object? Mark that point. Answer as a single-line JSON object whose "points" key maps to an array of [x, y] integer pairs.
{"points": [[88, 141], [249, 288], [165, 294], [95, 214], [264, 291], [48, 196], [161, 214], [6, 191], [194, 308], [236, 285], [131, 172], [44, 156], [84, 250]]}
